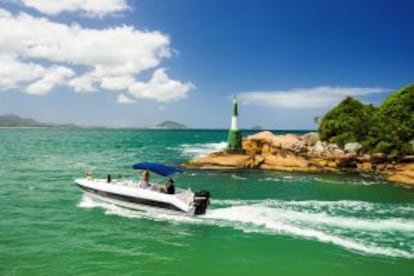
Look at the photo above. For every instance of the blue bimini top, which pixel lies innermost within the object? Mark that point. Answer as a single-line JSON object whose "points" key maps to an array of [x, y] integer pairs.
{"points": [[157, 168]]}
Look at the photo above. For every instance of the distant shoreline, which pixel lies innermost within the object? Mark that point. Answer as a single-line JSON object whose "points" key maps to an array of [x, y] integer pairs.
{"points": [[154, 128], [24, 127]]}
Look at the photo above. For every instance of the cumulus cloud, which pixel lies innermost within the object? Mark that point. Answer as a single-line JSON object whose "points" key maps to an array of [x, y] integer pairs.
{"points": [[53, 76], [37, 54], [84, 83], [122, 99], [117, 83], [91, 8], [160, 88], [315, 97], [14, 73], [118, 50]]}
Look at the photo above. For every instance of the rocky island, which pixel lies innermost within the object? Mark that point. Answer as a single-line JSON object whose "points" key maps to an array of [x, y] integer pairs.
{"points": [[307, 153], [351, 137]]}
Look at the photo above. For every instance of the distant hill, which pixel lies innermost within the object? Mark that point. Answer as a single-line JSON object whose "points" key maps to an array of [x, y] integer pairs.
{"points": [[257, 127], [11, 120], [170, 125]]}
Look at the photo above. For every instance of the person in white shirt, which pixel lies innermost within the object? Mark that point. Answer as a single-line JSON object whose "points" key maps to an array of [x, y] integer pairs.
{"points": [[144, 182]]}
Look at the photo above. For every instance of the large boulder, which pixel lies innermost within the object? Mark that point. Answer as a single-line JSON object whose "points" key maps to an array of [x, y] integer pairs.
{"points": [[254, 161], [332, 147], [285, 162], [365, 166], [324, 164], [252, 146], [287, 141], [299, 147], [319, 148], [333, 151], [264, 136], [220, 160], [353, 147], [311, 138], [269, 149], [402, 173], [259, 142]]}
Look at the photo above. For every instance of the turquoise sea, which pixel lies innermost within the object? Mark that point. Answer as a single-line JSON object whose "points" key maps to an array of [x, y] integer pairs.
{"points": [[259, 223]]}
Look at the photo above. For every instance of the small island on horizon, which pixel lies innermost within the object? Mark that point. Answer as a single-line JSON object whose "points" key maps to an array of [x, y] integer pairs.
{"points": [[169, 125]]}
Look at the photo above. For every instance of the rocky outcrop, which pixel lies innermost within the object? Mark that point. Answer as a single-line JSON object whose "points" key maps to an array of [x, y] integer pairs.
{"points": [[353, 147], [284, 162], [306, 153], [401, 173], [220, 160]]}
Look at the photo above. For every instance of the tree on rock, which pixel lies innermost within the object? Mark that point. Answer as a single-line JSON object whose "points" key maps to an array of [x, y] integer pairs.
{"points": [[348, 122], [396, 122], [387, 129]]}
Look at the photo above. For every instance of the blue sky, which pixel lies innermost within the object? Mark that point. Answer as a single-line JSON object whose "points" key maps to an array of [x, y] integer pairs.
{"points": [[136, 63]]}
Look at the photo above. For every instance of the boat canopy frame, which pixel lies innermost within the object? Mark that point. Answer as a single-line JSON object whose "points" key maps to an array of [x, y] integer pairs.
{"points": [[157, 168]]}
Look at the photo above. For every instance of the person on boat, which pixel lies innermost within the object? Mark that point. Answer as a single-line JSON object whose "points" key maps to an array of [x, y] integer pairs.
{"points": [[168, 188], [144, 182]]}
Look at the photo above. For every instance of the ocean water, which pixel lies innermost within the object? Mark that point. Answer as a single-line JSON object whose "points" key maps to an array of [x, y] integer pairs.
{"points": [[259, 223]]}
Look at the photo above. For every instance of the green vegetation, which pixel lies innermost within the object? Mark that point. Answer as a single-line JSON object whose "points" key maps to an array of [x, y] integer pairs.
{"points": [[388, 128]]}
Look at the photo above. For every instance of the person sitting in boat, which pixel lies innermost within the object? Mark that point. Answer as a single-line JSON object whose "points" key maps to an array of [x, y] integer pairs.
{"points": [[168, 188], [144, 182]]}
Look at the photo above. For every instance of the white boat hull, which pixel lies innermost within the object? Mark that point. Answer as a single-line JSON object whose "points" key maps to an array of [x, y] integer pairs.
{"points": [[127, 193]]}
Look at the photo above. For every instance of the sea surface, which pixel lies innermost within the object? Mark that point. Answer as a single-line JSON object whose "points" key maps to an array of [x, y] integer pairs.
{"points": [[259, 223]]}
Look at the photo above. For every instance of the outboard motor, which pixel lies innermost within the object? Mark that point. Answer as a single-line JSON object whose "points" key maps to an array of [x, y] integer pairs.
{"points": [[200, 202]]}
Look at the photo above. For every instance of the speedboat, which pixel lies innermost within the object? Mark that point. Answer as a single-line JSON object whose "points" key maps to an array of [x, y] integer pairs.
{"points": [[129, 194]]}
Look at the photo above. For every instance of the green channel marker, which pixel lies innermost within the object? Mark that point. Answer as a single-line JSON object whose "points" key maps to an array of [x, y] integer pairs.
{"points": [[234, 138]]}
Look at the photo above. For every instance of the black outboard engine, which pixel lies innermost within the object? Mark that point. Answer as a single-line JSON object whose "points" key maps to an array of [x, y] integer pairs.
{"points": [[200, 202]]}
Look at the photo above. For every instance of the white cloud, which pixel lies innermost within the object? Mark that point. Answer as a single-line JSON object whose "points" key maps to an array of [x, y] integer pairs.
{"points": [[118, 50], [55, 75], [160, 88], [84, 83], [86, 59], [14, 73], [91, 8], [122, 99], [4, 13], [315, 97], [117, 83]]}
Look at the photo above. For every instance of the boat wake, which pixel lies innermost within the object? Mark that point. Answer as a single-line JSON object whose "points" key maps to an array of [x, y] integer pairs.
{"points": [[363, 227], [200, 149]]}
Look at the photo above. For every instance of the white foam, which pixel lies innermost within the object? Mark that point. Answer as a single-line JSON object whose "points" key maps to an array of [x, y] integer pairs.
{"points": [[344, 206], [87, 202], [144, 211], [234, 202], [234, 176], [355, 182], [201, 149], [265, 219], [379, 235], [353, 223]]}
